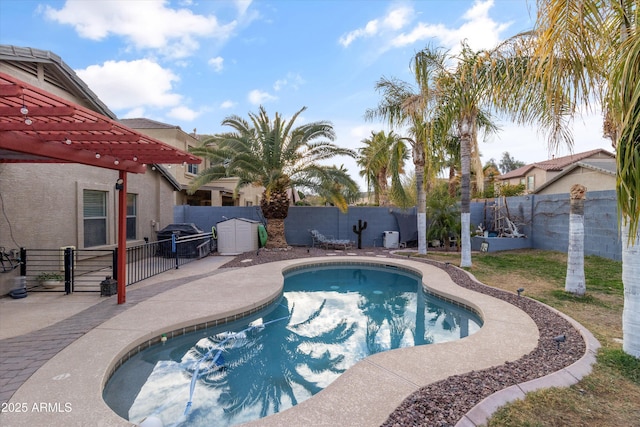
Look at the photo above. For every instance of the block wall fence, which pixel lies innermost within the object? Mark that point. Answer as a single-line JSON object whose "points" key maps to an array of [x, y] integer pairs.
{"points": [[544, 219]]}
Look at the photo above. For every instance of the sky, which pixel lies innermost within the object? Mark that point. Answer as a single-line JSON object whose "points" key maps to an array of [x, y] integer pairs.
{"points": [[192, 63]]}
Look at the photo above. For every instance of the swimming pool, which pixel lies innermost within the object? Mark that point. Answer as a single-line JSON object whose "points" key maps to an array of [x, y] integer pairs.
{"points": [[329, 318]]}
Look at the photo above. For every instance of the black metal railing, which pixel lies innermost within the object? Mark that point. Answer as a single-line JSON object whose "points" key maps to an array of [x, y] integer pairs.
{"points": [[79, 270], [153, 258], [83, 270]]}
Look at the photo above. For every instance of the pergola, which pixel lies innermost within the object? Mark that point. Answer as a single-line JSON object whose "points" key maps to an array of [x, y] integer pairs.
{"points": [[39, 127]]}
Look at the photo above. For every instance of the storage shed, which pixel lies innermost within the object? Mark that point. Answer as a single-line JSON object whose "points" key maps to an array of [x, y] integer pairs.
{"points": [[237, 235]]}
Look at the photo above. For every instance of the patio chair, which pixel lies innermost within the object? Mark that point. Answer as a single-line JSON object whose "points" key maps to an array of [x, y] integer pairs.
{"points": [[329, 242]]}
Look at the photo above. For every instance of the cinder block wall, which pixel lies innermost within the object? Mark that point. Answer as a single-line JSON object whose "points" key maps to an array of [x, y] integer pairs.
{"points": [[543, 218]]}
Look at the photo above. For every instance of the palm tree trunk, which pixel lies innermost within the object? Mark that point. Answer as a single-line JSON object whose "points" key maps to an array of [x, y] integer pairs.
{"points": [[419, 162], [631, 282], [575, 281], [452, 181], [466, 124], [275, 208], [382, 184]]}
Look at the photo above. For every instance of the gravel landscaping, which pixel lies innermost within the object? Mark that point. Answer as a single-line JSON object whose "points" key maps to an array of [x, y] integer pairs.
{"points": [[445, 402]]}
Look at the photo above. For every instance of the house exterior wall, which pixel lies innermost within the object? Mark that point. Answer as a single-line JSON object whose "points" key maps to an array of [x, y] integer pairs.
{"points": [[593, 180], [541, 176], [44, 207], [43, 203], [248, 196]]}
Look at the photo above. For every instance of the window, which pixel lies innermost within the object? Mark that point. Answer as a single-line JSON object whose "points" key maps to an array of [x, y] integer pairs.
{"points": [[531, 183], [95, 217], [192, 169], [132, 210]]}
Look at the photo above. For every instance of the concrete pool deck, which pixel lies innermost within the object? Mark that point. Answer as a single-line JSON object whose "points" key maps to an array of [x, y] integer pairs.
{"points": [[57, 374]]}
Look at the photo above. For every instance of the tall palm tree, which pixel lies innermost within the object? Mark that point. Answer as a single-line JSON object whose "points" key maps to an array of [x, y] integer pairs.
{"points": [[401, 105], [460, 96], [597, 44], [279, 157], [479, 83], [383, 156]]}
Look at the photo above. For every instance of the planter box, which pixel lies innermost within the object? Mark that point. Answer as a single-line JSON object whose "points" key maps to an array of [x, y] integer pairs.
{"points": [[108, 287], [496, 244], [52, 284]]}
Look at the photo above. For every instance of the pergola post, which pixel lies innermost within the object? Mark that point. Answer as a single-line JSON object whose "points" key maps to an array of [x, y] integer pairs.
{"points": [[122, 236]]}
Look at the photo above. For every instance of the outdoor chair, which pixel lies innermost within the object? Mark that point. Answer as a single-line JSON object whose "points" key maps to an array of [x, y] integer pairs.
{"points": [[328, 242]]}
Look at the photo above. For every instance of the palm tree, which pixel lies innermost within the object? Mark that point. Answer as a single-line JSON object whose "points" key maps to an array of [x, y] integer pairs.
{"points": [[401, 105], [480, 83], [279, 157], [383, 156], [460, 95], [597, 46], [575, 280]]}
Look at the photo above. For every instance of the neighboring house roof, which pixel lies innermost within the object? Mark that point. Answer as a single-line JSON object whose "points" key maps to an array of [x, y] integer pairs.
{"points": [[604, 166], [555, 164], [56, 72], [141, 123]]}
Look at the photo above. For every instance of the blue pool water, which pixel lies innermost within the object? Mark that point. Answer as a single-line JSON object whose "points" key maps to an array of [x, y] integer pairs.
{"points": [[328, 319]]}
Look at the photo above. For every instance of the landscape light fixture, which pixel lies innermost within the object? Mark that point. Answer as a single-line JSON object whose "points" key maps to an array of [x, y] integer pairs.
{"points": [[120, 184], [520, 290], [559, 339]]}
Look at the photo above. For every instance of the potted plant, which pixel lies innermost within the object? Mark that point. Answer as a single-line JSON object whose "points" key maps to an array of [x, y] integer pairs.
{"points": [[50, 280]]}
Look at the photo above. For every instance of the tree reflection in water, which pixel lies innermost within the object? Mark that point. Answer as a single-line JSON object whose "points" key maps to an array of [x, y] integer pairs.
{"points": [[273, 376]]}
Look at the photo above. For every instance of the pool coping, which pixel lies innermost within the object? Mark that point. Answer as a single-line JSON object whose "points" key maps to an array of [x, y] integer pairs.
{"points": [[365, 395]]}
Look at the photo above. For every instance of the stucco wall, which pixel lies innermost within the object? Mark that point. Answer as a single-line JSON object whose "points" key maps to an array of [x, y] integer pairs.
{"points": [[44, 208], [593, 180]]}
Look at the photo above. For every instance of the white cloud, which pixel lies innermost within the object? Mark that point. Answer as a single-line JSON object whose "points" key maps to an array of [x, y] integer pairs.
{"points": [[146, 24], [292, 80], [479, 29], [227, 105], [393, 30], [126, 85], [395, 19], [242, 6], [183, 113], [398, 18], [134, 113], [217, 63], [258, 97]]}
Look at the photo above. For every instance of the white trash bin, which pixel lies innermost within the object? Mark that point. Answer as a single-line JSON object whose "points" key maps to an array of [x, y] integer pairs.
{"points": [[390, 239]]}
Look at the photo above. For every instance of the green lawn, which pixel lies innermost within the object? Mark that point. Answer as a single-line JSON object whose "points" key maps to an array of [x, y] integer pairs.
{"points": [[610, 395]]}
